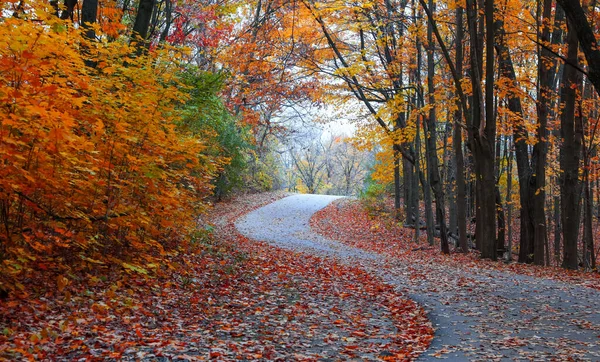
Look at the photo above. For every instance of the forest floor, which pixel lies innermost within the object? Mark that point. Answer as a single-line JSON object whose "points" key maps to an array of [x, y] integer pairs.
{"points": [[225, 298], [327, 282]]}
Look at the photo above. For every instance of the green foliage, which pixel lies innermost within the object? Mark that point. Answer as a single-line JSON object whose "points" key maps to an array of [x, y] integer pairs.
{"points": [[262, 175], [205, 113], [374, 196]]}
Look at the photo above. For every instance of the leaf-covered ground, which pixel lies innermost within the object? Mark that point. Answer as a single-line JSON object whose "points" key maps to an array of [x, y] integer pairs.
{"points": [[227, 298], [482, 310], [353, 224]]}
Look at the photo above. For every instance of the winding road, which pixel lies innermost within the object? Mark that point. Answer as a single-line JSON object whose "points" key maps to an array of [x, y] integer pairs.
{"points": [[478, 314]]}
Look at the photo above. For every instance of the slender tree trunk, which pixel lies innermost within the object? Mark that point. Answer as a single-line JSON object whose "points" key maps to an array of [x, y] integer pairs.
{"points": [[461, 202], [557, 230], [500, 219], [557, 34], [431, 140], [509, 206], [168, 20], [411, 191], [589, 257], [540, 149], [450, 189], [571, 134], [69, 6], [417, 213], [429, 221], [429, 218], [415, 78], [397, 185]]}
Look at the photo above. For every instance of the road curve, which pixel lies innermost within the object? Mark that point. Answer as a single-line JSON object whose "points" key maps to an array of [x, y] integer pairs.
{"points": [[498, 316]]}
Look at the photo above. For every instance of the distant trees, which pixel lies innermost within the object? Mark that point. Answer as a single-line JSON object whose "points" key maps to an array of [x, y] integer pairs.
{"points": [[332, 166]]}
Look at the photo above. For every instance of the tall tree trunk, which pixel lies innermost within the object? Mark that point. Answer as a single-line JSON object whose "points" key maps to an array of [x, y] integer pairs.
{"points": [[589, 256], [509, 206], [557, 34], [461, 202], [482, 134], [415, 79], [431, 140], [429, 221], [540, 149], [571, 134], [417, 212], [450, 180], [500, 219]]}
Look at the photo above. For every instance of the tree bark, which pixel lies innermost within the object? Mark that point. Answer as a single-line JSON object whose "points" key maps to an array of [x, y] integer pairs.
{"points": [[142, 21], [482, 135], [397, 192], [461, 202], [69, 6], [509, 205], [580, 25], [89, 11], [540, 149], [571, 134], [430, 139]]}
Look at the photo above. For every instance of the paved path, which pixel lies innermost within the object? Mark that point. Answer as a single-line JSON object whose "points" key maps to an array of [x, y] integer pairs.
{"points": [[478, 314]]}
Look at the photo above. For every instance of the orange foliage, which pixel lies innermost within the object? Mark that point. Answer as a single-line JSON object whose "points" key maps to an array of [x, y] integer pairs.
{"points": [[93, 168]]}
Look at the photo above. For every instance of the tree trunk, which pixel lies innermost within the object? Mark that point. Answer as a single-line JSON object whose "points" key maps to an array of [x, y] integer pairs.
{"points": [[397, 191], [557, 230], [89, 11], [69, 6], [461, 202], [589, 257], [417, 212], [509, 204], [557, 34], [500, 219], [142, 21], [450, 180], [580, 26], [411, 191], [431, 140], [571, 134], [168, 20], [482, 134], [429, 222], [540, 149]]}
